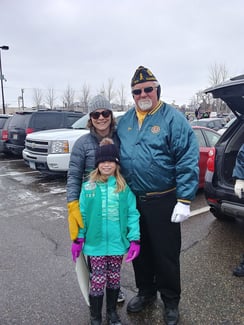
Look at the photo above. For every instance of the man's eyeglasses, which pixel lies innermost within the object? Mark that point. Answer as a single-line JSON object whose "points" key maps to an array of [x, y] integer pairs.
{"points": [[146, 90], [96, 115]]}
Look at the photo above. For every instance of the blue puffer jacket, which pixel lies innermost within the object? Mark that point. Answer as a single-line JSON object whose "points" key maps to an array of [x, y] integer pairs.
{"points": [[161, 155], [238, 171], [111, 220], [82, 162]]}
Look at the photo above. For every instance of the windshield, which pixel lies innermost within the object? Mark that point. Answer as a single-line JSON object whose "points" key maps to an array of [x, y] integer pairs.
{"points": [[81, 123]]}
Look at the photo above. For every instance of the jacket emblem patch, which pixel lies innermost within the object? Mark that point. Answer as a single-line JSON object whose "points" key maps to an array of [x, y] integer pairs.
{"points": [[155, 129]]}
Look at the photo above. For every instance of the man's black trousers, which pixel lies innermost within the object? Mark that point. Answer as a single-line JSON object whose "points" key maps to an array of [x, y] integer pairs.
{"points": [[157, 268]]}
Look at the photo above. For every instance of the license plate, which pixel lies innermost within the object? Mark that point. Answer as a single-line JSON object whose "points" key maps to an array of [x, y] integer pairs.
{"points": [[15, 136], [32, 165]]}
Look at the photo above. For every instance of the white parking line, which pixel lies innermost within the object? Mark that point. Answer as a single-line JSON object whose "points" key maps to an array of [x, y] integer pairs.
{"points": [[18, 173], [199, 211]]}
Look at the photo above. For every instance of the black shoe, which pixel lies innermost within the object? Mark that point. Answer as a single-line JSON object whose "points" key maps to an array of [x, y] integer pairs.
{"points": [[171, 316], [113, 318], [112, 315], [139, 302], [96, 303]]}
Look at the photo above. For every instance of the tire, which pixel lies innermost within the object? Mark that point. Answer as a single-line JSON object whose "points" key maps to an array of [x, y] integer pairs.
{"points": [[220, 216]]}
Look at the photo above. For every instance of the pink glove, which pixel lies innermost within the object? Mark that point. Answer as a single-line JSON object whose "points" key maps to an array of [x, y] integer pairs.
{"points": [[134, 251], [76, 247]]}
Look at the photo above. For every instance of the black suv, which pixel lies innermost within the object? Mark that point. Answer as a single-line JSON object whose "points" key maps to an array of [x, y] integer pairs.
{"points": [[4, 122], [3, 118], [23, 123], [219, 183]]}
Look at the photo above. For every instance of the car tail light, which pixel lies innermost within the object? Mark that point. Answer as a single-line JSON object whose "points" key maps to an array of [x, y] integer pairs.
{"points": [[5, 135], [211, 159], [29, 130], [212, 200]]}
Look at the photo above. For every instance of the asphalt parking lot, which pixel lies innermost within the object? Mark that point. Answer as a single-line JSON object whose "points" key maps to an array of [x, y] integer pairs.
{"points": [[37, 276]]}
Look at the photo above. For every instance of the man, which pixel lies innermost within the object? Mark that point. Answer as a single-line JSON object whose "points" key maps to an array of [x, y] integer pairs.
{"points": [[238, 174], [159, 160]]}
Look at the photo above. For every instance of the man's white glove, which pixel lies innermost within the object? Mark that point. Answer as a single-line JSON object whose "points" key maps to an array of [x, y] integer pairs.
{"points": [[181, 212], [239, 187]]}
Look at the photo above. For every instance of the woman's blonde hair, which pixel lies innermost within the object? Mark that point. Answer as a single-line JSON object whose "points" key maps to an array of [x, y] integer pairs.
{"points": [[95, 176]]}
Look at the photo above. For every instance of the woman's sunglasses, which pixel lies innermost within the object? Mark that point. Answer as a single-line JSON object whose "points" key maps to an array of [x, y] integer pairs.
{"points": [[96, 115], [146, 90]]}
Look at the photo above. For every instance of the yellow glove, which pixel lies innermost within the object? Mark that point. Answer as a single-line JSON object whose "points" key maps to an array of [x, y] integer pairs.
{"points": [[74, 219]]}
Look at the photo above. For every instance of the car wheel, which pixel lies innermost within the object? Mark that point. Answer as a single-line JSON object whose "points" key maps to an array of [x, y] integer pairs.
{"points": [[220, 216]]}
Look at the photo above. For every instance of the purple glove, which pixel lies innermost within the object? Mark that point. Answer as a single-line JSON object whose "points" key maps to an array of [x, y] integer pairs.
{"points": [[134, 251], [76, 247]]}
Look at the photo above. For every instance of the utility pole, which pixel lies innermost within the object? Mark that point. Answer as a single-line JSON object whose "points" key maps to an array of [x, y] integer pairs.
{"points": [[22, 96], [4, 47]]}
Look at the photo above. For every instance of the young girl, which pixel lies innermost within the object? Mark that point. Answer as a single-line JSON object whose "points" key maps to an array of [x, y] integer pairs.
{"points": [[111, 226]]}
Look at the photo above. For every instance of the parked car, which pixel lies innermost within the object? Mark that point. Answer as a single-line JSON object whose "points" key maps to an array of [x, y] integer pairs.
{"points": [[4, 120], [16, 132], [49, 151], [206, 139], [219, 183], [221, 131], [24, 123], [214, 123]]}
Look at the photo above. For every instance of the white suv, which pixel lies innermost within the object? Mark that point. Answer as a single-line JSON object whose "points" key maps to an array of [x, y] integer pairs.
{"points": [[49, 151]]}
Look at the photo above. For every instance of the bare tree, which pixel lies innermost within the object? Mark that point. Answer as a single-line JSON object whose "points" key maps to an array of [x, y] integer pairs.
{"points": [[193, 105], [205, 102], [102, 91], [37, 97], [200, 103], [108, 91], [85, 92], [122, 98], [218, 74], [68, 97], [50, 97]]}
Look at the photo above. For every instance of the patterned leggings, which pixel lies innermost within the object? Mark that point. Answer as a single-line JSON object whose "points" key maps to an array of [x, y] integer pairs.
{"points": [[104, 270]]}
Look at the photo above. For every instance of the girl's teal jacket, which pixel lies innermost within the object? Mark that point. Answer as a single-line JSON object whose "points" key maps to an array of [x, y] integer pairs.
{"points": [[111, 220]]}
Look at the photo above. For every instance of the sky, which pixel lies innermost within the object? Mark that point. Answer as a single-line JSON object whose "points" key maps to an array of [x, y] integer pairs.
{"points": [[55, 44]]}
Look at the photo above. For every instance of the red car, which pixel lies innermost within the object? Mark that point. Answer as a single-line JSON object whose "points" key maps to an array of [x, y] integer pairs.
{"points": [[206, 139]]}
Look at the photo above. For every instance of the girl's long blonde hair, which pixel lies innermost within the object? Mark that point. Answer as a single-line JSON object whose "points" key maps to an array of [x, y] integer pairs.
{"points": [[95, 176]]}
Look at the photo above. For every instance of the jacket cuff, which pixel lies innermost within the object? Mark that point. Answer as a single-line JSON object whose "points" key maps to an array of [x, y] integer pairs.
{"points": [[187, 202]]}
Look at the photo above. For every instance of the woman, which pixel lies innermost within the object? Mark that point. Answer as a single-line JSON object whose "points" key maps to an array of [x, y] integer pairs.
{"points": [[82, 160]]}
